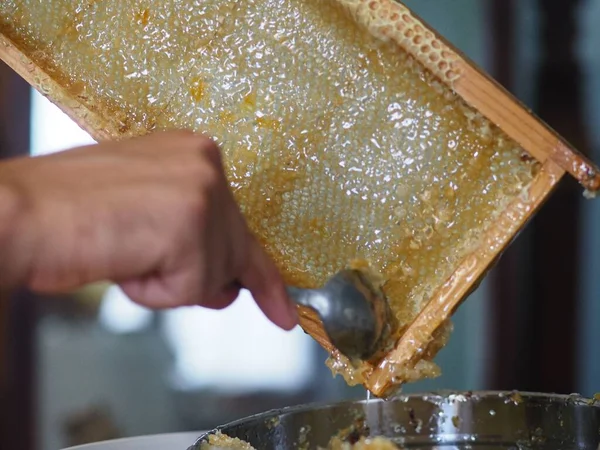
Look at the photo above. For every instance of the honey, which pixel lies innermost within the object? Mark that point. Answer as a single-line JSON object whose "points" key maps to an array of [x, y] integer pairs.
{"points": [[198, 90], [338, 145], [340, 441], [220, 441]]}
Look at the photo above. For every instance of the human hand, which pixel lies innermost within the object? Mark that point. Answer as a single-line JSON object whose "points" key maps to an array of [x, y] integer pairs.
{"points": [[153, 214]]}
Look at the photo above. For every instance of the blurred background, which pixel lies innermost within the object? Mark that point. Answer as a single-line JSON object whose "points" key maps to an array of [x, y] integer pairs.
{"points": [[93, 366]]}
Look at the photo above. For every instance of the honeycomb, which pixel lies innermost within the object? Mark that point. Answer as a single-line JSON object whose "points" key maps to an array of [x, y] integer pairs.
{"points": [[339, 146], [219, 440]]}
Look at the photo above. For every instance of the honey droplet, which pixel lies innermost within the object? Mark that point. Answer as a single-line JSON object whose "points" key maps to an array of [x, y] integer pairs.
{"points": [[226, 117], [268, 123], [198, 89], [249, 102], [143, 17]]}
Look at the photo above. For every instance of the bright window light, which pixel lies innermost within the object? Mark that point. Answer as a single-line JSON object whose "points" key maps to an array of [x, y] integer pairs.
{"points": [[236, 350], [119, 315], [51, 129]]}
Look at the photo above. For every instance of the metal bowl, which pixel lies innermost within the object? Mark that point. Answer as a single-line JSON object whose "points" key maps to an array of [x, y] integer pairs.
{"points": [[477, 420], [174, 441]]}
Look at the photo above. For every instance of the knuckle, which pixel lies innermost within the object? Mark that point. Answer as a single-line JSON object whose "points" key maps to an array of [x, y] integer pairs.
{"points": [[208, 150], [196, 142], [207, 179], [205, 171], [206, 144], [211, 178], [197, 208]]}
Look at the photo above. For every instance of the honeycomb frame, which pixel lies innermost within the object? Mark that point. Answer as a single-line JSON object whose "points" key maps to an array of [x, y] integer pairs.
{"points": [[390, 21]]}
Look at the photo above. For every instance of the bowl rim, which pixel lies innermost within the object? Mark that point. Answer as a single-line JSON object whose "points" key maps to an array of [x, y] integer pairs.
{"points": [[439, 395], [100, 445]]}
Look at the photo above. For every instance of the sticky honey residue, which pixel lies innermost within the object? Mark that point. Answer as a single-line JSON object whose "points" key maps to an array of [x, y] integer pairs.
{"points": [[375, 278], [198, 89], [516, 398], [143, 17], [341, 441], [221, 440], [359, 437], [338, 145], [365, 443], [354, 373], [249, 102], [420, 368], [269, 123], [227, 118]]}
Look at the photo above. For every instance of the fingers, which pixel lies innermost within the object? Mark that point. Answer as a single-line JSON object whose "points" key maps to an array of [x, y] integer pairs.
{"points": [[223, 299], [219, 249], [162, 293], [264, 282], [150, 292]]}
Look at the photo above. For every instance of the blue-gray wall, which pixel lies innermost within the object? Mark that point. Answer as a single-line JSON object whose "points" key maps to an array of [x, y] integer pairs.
{"points": [[589, 357]]}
